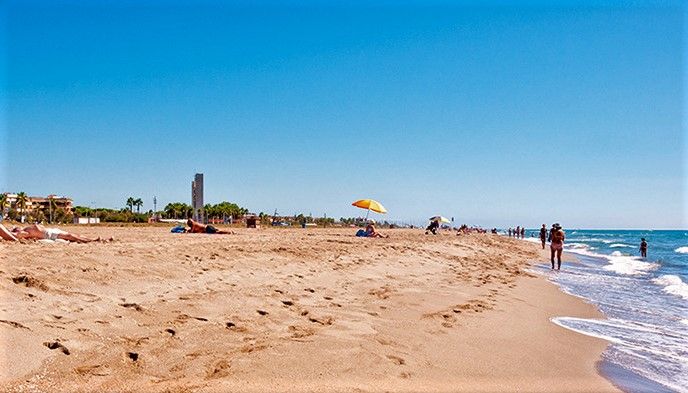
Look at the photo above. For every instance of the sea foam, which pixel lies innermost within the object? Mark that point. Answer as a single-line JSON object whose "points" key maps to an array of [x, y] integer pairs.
{"points": [[682, 250], [631, 266], [619, 245], [672, 284]]}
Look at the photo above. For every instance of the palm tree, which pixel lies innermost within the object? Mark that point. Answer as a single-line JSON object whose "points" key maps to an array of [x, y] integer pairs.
{"points": [[138, 203], [3, 202], [21, 202], [52, 206], [130, 204]]}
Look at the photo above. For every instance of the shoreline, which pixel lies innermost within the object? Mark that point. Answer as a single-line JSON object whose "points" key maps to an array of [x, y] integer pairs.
{"points": [[290, 310], [622, 378]]}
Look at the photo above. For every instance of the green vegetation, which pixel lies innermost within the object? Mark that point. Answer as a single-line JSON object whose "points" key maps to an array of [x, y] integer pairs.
{"points": [[177, 210]]}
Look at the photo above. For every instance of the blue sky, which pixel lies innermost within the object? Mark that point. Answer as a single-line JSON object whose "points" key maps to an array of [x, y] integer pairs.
{"points": [[499, 115]]}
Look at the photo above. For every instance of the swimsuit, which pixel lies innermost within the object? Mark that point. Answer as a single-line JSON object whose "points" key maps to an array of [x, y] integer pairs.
{"points": [[54, 233]]}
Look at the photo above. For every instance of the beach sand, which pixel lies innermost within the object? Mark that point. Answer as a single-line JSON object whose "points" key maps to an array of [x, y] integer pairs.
{"points": [[287, 310]]}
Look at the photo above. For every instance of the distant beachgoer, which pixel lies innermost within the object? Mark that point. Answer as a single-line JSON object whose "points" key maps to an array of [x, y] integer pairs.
{"points": [[543, 235], [517, 231], [557, 245], [643, 248], [371, 232], [523, 232], [432, 227], [197, 227], [509, 232], [39, 232]]}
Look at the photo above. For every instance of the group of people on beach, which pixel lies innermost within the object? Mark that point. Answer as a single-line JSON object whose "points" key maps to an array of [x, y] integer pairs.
{"points": [[39, 232], [519, 232]]}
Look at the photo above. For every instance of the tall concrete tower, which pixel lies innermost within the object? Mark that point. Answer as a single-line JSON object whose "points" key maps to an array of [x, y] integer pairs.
{"points": [[197, 197]]}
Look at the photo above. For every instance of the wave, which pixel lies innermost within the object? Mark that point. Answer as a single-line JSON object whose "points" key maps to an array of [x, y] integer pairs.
{"points": [[682, 250], [618, 263], [627, 265], [619, 245], [673, 285]]}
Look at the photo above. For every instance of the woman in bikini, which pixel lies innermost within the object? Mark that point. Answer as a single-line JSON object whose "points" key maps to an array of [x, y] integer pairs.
{"points": [[557, 245]]}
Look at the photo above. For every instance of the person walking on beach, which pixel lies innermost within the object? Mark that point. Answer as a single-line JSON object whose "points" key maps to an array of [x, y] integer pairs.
{"points": [[557, 246], [509, 232], [543, 235], [517, 231], [643, 247], [523, 232]]}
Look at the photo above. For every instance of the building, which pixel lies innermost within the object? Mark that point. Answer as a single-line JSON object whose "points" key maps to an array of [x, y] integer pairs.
{"points": [[197, 197], [34, 203], [86, 220]]}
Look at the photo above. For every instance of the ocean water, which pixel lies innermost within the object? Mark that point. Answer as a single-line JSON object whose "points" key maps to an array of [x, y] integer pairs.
{"points": [[645, 301]]}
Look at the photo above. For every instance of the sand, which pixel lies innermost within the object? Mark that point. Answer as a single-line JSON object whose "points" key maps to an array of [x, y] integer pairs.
{"points": [[287, 310]]}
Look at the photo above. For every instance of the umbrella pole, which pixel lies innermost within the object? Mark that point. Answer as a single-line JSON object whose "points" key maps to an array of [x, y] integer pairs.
{"points": [[367, 213]]}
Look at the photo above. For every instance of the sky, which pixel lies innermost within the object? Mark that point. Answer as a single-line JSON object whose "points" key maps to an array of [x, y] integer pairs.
{"points": [[496, 113]]}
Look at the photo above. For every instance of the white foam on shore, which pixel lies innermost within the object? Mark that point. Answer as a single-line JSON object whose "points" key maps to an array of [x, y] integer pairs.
{"points": [[627, 265], [619, 245], [682, 250], [673, 285], [562, 322]]}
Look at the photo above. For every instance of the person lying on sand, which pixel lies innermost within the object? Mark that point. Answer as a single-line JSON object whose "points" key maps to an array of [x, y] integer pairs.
{"points": [[39, 232], [197, 227]]}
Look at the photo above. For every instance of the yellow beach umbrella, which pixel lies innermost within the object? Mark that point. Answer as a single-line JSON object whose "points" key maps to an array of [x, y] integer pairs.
{"points": [[370, 204]]}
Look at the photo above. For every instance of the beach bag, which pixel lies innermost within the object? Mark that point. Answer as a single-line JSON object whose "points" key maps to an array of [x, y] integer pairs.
{"points": [[178, 229], [361, 233]]}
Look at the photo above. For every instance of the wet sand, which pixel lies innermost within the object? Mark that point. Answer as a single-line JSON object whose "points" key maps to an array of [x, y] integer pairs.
{"points": [[287, 310]]}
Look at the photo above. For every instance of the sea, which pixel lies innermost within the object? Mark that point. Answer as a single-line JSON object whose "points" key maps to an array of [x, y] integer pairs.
{"points": [[644, 302]]}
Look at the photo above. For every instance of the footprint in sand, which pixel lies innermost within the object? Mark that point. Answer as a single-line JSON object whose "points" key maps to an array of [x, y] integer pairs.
{"points": [[14, 324], [29, 282], [325, 321], [396, 360], [132, 305], [57, 345], [218, 369]]}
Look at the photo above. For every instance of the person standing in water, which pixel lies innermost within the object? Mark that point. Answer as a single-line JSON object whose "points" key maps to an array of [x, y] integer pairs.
{"points": [[543, 235], [643, 247], [523, 232], [557, 245]]}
